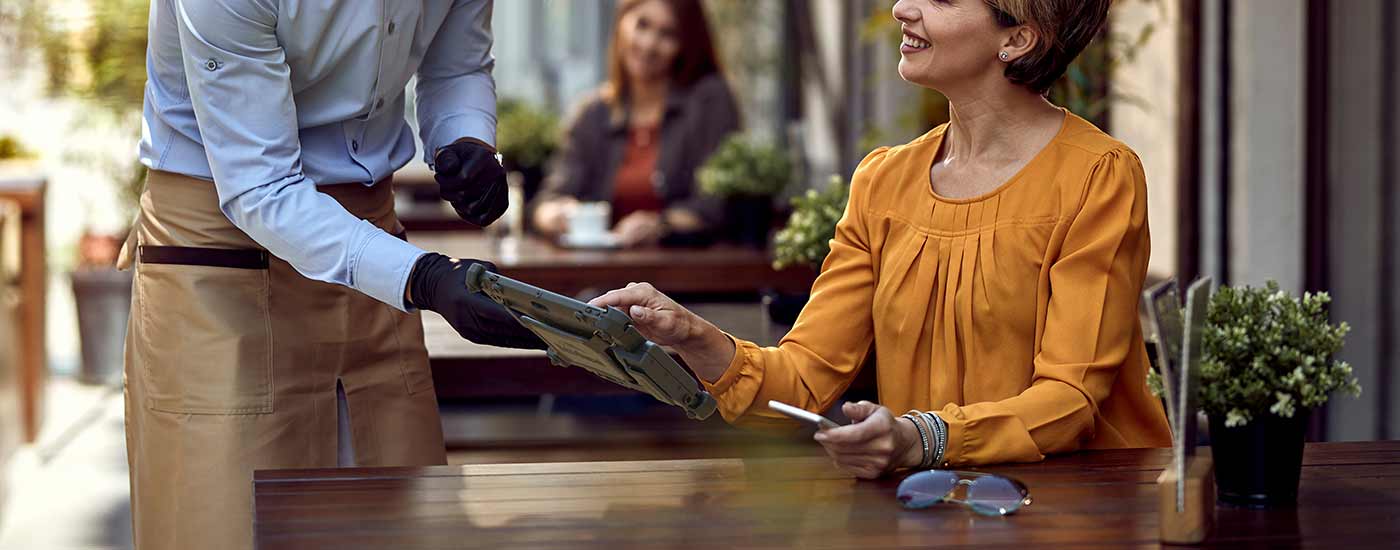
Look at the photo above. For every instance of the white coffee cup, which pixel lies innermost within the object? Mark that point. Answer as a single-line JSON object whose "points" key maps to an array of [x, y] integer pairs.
{"points": [[589, 221]]}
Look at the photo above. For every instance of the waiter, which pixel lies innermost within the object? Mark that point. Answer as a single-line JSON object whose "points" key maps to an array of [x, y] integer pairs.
{"points": [[273, 320]]}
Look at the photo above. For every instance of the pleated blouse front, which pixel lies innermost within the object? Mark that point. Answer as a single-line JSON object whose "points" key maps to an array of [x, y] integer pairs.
{"points": [[1013, 315]]}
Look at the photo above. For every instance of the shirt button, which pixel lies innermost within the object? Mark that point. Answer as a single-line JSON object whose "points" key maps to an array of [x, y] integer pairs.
{"points": [[391, 27], [380, 104], [355, 145]]}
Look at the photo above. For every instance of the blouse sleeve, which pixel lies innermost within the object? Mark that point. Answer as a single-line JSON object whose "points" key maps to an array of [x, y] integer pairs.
{"points": [[821, 355], [1089, 324]]}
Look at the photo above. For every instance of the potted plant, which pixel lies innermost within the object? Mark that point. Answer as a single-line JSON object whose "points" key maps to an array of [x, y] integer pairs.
{"points": [[102, 294], [11, 149], [526, 137], [1269, 361], [806, 240], [746, 175]]}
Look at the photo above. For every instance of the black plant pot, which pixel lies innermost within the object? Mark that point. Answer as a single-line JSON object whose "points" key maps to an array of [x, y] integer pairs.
{"points": [[748, 220], [784, 308], [1257, 465]]}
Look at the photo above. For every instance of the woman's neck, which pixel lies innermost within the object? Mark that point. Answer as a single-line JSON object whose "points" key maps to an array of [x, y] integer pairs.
{"points": [[999, 125], [647, 98]]}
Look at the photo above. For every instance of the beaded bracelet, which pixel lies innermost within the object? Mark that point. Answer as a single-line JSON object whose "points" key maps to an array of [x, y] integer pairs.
{"points": [[932, 458], [924, 438], [940, 437]]}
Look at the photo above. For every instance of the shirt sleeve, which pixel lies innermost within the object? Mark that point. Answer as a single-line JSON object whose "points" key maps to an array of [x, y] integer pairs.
{"points": [[456, 92], [241, 91], [1089, 324], [819, 358]]}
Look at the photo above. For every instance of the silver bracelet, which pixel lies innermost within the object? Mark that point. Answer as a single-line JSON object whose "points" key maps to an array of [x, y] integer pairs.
{"points": [[923, 437], [932, 457], [940, 437]]}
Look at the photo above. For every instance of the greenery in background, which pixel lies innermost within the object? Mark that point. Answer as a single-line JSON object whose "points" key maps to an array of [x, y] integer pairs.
{"points": [[115, 54], [101, 64], [104, 62], [746, 35], [1267, 352], [526, 136], [806, 239], [11, 148], [1084, 89], [27, 26], [742, 167]]}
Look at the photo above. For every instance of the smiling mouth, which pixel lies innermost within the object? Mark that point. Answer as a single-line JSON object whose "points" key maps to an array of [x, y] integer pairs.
{"points": [[913, 43]]}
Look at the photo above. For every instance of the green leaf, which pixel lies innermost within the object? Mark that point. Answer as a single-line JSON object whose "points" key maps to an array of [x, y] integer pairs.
{"points": [[1268, 352], [742, 167], [806, 239]]}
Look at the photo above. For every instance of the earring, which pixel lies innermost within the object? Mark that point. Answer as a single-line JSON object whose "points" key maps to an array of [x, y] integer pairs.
{"points": [[1005, 56]]}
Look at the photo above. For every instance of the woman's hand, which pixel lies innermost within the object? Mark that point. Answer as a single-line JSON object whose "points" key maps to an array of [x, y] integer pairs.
{"points": [[552, 217], [639, 228], [875, 443], [706, 349]]}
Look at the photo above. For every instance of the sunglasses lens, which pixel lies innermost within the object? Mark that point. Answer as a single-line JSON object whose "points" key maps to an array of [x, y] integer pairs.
{"points": [[994, 496], [925, 489]]}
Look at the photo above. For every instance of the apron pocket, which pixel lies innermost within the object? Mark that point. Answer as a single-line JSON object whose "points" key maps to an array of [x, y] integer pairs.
{"points": [[206, 330]]}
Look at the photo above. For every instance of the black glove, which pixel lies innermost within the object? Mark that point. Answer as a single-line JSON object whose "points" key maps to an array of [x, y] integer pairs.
{"points": [[439, 283], [470, 176]]}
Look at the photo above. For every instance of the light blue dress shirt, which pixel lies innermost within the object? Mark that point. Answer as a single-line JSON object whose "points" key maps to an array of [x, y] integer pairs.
{"points": [[270, 98]]}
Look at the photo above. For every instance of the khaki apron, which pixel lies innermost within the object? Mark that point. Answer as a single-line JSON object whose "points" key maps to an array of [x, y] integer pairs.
{"points": [[233, 360]]}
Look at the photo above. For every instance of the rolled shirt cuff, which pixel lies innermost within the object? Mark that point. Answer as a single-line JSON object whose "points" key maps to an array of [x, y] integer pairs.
{"points": [[456, 127], [382, 266]]}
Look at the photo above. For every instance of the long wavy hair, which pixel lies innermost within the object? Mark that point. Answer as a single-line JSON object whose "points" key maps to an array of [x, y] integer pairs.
{"points": [[696, 59]]}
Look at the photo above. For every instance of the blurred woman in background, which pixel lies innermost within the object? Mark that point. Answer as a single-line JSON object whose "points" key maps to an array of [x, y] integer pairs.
{"points": [[638, 142]]}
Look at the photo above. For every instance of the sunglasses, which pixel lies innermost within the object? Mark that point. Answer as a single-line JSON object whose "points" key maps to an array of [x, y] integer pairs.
{"points": [[987, 494]]}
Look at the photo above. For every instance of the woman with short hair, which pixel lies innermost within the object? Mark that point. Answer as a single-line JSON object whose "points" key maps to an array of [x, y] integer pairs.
{"points": [[994, 266]]}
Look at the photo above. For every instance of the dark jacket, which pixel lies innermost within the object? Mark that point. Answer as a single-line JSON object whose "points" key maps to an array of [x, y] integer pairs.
{"points": [[696, 120]]}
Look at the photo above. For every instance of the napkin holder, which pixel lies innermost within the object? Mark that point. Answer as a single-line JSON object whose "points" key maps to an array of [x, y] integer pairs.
{"points": [[1186, 488], [1192, 522]]}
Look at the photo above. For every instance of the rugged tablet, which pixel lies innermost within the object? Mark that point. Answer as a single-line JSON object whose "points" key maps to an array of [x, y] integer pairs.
{"points": [[603, 342]]}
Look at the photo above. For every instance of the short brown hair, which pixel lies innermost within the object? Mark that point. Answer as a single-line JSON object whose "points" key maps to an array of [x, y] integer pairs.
{"points": [[695, 60], [1066, 27]]}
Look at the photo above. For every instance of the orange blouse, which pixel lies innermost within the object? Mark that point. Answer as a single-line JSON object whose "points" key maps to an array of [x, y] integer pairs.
{"points": [[1013, 315]]}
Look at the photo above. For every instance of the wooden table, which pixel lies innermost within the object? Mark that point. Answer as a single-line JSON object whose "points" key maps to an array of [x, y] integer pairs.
{"points": [[715, 270], [21, 188], [11, 425], [1349, 498]]}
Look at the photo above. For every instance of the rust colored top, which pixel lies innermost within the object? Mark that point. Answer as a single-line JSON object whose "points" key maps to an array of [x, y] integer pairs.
{"points": [[633, 190]]}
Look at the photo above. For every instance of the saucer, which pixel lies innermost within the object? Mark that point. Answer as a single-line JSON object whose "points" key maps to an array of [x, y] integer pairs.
{"points": [[602, 240]]}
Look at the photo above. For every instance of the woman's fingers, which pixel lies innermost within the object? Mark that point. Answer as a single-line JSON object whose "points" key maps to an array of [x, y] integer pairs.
{"points": [[859, 411], [655, 315], [878, 445], [635, 231], [866, 448], [862, 466], [867, 428], [635, 294], [660, 326]]}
